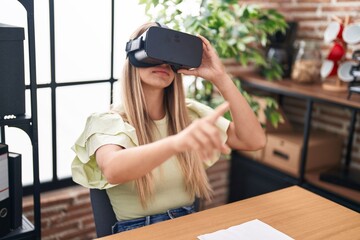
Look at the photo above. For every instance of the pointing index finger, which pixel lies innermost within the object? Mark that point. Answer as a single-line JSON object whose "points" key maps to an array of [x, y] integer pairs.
{"points": [[219, 111]]}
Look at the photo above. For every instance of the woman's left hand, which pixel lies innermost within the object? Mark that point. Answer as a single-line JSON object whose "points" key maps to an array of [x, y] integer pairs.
{"points": [[211, 67]]}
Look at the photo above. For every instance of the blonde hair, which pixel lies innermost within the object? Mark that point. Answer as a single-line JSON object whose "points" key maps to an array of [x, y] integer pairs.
{"points": [[136, 113]]}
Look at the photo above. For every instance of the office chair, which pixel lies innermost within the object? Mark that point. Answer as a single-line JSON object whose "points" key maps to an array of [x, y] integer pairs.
{"points": [[104, 215]]}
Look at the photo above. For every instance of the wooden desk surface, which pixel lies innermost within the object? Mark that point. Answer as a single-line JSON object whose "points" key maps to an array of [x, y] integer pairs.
{"points": [[288, 87], [294, 211]]}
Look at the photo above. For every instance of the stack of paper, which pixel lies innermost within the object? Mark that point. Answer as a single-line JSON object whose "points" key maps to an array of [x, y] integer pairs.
{"points": [[252, 230]]}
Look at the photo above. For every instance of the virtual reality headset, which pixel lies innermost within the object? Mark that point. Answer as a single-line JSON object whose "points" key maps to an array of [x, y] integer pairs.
{"points": [[161, 45]]}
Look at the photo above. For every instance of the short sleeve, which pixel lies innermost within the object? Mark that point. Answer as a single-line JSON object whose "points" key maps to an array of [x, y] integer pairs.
{"points": [[100, 129], [199, 110]]}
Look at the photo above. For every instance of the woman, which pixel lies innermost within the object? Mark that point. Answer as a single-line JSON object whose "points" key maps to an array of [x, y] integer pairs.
{"points": [[151, 152]]}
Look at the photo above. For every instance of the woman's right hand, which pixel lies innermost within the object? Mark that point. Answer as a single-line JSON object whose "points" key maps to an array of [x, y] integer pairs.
{"points": [[203, 136]]}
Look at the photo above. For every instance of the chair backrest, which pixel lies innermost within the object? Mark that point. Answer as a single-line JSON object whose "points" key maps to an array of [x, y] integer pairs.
{"points": [[104, 215]]}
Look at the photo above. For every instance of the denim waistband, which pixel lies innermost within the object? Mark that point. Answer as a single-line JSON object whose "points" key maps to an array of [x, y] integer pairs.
{"points": [[125, 225]]}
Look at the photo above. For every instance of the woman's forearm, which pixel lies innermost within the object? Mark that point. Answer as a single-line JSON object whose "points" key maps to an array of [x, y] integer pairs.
{"points": [[245, 125], [245, 132], [123, 165]]}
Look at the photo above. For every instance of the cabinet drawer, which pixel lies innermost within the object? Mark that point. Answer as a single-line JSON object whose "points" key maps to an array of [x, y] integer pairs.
{"points": [[283, 151]]}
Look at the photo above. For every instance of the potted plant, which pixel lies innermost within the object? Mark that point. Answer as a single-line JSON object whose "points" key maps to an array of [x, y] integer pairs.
{"points": [[237, 31]]}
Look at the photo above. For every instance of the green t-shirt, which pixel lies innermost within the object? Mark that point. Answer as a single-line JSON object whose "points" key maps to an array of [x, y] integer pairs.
{"points": [[109, 128]]}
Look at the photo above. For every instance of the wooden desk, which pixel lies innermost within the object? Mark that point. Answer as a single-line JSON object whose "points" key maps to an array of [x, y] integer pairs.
{"points": [[293, 211]]}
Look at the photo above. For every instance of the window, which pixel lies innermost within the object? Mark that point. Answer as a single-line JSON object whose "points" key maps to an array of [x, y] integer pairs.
{"points": [[79, 55]]}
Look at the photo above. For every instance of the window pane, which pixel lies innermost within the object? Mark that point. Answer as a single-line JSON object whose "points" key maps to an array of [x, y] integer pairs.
{"points": [[116, 93], [135, 16], [82, 39], [74, 105], [42, 33], [45, 134], [19, 141]]}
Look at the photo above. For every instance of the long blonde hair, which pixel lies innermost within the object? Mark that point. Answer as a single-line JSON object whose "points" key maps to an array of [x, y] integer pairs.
{"points": [[135, 112]]}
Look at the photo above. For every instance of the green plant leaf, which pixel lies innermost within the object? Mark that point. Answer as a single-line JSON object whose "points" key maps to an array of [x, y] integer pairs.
{"points": [[238, 31]]}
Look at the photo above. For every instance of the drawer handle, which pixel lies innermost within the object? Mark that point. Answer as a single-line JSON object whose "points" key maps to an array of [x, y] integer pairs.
{"points": [[281, 155]]}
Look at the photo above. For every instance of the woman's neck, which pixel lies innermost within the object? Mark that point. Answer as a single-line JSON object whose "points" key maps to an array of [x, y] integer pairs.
{"points": [[155, 104]]}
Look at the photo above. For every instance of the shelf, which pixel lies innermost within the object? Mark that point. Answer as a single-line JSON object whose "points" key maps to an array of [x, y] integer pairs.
{"points": [[314, 179], [15, 121], [312, 93], [347, 177], [22, 122], [304, 91], [30, 126], [347, 197], [26, 231]]}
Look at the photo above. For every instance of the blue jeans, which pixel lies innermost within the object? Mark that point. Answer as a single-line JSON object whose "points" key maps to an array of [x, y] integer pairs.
{"points": [[126, 225]]}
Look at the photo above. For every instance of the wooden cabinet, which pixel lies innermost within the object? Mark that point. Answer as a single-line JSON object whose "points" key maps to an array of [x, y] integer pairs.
{"points": [[249, 178]]}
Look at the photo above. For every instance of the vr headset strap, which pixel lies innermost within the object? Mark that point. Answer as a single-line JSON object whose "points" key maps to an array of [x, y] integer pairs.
{"points": [[161, 25], [133, 45]]}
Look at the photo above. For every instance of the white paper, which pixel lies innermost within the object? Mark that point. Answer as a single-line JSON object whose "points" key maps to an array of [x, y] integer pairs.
{"points": [[252, 230]]}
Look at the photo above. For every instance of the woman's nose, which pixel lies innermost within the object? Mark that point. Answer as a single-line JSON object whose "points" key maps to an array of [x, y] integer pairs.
{"points": [[165, 65]]}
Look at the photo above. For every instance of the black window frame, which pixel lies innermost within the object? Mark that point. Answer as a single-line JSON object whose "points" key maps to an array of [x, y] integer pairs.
{"points": [[55, 182]]}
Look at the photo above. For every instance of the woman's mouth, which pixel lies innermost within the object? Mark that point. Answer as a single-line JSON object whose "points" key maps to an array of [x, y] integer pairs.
{"points": [[161, 71]]}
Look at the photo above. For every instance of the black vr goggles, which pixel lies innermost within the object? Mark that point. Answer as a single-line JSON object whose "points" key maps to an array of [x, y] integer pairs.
{"points": [[161, 45]]}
